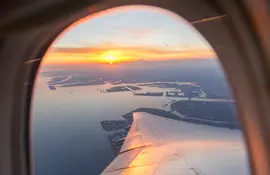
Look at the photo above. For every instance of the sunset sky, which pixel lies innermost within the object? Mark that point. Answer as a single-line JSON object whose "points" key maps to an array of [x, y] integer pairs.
{"points": [[128, 34]]}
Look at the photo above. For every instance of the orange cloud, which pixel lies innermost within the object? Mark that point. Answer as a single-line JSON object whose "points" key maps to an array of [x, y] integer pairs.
{"points": [[121, 54]]}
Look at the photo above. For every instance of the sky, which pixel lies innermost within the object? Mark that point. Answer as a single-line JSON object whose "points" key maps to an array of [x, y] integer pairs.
{"points": [[126, 34]]}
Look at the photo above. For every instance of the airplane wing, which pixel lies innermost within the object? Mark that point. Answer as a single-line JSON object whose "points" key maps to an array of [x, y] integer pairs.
{"points": [[161, 146]]}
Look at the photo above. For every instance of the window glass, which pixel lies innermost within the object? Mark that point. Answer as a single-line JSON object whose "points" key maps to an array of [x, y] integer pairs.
{"points": [[134, 58]]}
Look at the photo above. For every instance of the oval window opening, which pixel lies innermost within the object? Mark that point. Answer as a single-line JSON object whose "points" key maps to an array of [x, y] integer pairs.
{"points": [[134, 90]]}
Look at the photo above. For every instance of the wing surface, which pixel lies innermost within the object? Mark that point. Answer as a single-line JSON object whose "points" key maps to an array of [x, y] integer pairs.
{"points": [[161, 146]]}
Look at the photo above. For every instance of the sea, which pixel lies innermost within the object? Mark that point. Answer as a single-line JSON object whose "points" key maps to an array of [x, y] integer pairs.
{"points": [[67, 137]]}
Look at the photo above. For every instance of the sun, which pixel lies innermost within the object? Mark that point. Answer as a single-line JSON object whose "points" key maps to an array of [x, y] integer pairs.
{"points": [[110, 57]]}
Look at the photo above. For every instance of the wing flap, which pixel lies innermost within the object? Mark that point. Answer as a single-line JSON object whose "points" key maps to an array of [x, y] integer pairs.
{"points": [[123, 160]]}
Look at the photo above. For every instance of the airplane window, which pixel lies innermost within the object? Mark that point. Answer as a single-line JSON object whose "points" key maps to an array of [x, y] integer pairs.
{"points": [[134, 90]]}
